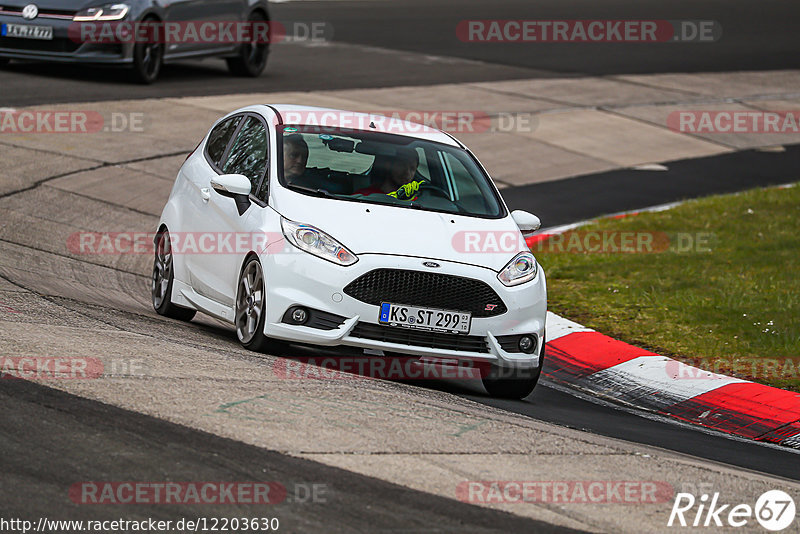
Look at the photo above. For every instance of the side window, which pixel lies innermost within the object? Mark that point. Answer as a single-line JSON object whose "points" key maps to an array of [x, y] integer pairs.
{"points": [[248, 156], [219, 138]]}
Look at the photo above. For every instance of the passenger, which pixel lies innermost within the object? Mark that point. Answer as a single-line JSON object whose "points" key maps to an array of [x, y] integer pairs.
{"points": [[295, 157]]}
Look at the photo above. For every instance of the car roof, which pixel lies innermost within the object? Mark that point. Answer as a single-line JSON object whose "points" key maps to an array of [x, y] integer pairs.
{"points": [[388, 122]]}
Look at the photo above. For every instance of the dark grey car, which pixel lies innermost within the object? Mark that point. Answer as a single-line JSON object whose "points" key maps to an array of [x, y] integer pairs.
{"points": [[56, 30]]}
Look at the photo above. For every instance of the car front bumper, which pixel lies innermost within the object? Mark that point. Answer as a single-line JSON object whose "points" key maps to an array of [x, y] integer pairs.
{"points": [[295, 278], [61, 48]]}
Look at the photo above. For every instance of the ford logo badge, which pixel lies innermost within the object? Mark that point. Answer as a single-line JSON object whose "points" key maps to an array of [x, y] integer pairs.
{"points": [[431, 264]]}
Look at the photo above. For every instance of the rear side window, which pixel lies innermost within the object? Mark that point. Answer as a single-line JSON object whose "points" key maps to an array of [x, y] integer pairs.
{"points": [[219, 138], [248, 156]]}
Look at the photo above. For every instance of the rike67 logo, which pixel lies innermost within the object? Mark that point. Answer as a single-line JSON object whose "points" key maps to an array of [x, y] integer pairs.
{"points": [[774, 510]]}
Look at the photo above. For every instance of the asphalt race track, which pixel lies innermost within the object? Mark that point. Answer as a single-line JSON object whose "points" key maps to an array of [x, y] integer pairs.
{"points": [[755, 36], [585, 197], [385, 44], [54, 436], [157, 450]]}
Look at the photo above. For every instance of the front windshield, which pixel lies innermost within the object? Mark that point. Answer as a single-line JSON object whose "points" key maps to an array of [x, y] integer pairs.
{"points": [[384, 169]]}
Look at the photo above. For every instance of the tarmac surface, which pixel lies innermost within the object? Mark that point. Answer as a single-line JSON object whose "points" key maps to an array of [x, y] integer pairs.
{"points": [[181, 402], [376, 43], [400, 443], [124, 445]]}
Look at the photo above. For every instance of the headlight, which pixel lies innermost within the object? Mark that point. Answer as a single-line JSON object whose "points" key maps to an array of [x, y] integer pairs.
{"points": [[519, 270], [110, 12], [316, 242]]}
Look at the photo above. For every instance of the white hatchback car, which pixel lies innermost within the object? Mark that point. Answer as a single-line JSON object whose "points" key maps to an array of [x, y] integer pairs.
{"points": [[330, 227]]}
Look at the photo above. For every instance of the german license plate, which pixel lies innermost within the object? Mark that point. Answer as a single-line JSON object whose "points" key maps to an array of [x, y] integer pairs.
{"points": [[425, 318], [26, 31]]}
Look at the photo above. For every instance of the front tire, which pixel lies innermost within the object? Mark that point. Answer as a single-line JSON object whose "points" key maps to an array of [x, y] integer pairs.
{"points": [[252, 57], [508, 383], [148, 58], [251, 308], [163, 276]]}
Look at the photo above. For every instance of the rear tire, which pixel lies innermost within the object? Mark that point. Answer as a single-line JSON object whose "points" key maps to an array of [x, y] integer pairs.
{"points": [[4, 61], [506, 383], [251, 59], [163, 276], [148, 58]]}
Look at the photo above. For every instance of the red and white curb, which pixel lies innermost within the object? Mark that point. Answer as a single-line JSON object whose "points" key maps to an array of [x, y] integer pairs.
{"points": [[546, 233], [582, 358]]}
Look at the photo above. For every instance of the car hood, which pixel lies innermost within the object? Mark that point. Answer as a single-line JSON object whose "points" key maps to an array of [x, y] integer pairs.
{"points": [[376, 229]]}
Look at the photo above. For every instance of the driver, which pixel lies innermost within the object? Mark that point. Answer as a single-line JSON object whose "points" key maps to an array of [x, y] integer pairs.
{"points": [[396, 178]]}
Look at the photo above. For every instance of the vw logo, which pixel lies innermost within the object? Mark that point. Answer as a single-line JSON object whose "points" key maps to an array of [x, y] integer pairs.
{"points": [[431, 264], [30, 12]]}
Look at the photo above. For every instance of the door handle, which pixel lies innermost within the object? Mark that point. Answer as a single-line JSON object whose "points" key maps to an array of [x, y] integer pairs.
{"points": [[205, 193]]}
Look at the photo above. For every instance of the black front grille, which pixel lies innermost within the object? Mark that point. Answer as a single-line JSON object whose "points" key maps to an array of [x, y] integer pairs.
{"points": [[420, 338], [43, 12], [35, 45], [431, 290]]}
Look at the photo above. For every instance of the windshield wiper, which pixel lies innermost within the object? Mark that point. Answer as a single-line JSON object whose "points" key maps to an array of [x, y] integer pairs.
{"points": [[317, 191], [324, 193]]}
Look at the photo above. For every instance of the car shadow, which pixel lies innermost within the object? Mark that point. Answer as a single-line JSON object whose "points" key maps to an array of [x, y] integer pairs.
{"points": [[321, 363], [173, 72]]}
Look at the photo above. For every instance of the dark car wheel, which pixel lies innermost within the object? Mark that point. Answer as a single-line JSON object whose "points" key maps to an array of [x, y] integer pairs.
{"points": [[513, 384], [252, 57], [250, 310], [147, 60], [4, 61], [163, 276]]}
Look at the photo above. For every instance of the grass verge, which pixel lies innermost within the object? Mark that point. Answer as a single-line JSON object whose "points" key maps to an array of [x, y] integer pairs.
{"points": [[714, 282]]}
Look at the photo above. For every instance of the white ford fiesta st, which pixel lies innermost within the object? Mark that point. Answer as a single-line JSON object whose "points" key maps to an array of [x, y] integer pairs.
{"points": [[335, 228]]}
